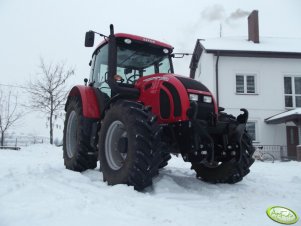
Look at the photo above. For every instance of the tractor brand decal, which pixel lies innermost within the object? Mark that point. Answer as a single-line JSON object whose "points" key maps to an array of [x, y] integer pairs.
{"points": [[154, 78], [282, 215], [164, 79], [149, 40]]}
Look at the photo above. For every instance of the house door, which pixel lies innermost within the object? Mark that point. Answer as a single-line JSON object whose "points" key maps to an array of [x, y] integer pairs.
{"points": [[292, 140]]}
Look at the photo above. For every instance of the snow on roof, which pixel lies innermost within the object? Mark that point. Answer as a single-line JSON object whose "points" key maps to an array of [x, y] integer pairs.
{"points": [[284, 116], [266, 44]]}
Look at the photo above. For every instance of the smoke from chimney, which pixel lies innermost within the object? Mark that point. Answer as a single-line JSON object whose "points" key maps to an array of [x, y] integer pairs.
{"points": [[237, 14], [212, 13], [217, 13]]}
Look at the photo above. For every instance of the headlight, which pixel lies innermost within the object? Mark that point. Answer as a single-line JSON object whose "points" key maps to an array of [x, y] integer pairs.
{"points": [[193, 97], [207, 99]]}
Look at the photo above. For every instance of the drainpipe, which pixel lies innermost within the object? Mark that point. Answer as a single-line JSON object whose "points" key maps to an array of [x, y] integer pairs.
{"points": [[216, 78], [299, 132]]}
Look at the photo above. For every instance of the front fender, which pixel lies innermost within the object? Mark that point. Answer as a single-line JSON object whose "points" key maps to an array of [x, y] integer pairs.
{"points": [[90, 106]]}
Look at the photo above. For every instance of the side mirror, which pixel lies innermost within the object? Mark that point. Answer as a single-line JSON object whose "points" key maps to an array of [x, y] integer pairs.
{"points": [[89, 39]]}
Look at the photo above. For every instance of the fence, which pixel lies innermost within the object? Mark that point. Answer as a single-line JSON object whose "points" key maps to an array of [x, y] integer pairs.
{"points": [[13, 140], [10, 148], [278, 151]]}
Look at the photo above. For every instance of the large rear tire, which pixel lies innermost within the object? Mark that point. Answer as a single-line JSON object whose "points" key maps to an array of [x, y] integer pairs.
{"points": [[165, 155], [129, 145], [228, 172], [78, 153]]}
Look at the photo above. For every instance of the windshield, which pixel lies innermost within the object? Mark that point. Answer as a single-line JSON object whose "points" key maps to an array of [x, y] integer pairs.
{"points": [[135, 60]]}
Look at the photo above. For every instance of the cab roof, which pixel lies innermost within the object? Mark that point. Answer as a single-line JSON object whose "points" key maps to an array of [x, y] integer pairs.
{"points": [[143, 39], [137, 38]]}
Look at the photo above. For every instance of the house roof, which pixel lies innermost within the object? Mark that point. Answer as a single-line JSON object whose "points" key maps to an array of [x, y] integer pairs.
{"points": [[240, 47], [288, 116], [267, 45]]}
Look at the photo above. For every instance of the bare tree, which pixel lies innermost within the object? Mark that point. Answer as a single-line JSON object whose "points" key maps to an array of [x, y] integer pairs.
{"points": [[48, 92], [9, 112]]}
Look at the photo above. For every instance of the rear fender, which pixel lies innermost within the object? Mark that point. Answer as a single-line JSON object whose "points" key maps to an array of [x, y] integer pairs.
{"points": [[89, 101]]}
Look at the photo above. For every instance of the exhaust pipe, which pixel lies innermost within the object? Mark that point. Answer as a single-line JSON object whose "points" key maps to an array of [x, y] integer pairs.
{"points": [[112, 59]]}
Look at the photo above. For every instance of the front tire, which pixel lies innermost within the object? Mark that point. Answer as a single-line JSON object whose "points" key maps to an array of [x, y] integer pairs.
{"points": [[228, 172], [78, 153], [128, 141]]}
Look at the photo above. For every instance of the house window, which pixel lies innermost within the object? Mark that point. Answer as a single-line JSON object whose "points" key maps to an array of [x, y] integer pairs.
{"points": [[245, 84], [251, 128], [292, 91]]}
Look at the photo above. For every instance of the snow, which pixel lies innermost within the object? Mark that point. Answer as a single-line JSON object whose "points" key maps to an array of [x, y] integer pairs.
{"points": [[266, 44], [296, 111], [36, 189]]}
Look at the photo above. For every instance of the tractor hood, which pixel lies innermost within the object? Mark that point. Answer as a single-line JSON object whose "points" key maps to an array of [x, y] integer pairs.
{"points": [[192, 84], [170, 95], [188, 83]]}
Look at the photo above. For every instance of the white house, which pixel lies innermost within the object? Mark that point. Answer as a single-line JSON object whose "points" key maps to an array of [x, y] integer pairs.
{"points": [[262, 75]]}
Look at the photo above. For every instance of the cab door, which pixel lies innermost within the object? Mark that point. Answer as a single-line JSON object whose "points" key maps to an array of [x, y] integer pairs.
{"points": [[99, 70]]}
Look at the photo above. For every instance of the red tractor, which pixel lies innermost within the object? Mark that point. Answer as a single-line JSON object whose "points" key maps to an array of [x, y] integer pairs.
{"points": [[135, 112]]}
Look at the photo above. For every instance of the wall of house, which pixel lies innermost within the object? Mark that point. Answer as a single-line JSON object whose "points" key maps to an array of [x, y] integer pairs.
{"points": [[206, 69], [269, 97]]}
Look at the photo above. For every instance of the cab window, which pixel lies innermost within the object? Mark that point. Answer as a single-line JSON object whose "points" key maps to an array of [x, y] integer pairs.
{"points": [[135, 60]]}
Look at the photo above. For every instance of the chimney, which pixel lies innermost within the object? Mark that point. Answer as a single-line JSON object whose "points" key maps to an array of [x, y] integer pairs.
{"points": [[253, 26]]}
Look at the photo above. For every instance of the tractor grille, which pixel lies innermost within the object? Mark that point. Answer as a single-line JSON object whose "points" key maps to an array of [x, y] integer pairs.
{"points": [[175, 97], [165, 102], [164, 105], [205, 110]]}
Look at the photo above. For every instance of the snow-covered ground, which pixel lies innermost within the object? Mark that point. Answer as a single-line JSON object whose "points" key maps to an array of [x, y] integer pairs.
{"points": [[36, 189]]}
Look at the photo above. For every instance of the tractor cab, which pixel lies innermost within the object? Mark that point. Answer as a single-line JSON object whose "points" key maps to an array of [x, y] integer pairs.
{"points": [[119, 61]]}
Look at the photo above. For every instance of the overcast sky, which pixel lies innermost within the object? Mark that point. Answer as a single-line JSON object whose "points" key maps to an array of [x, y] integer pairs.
{"points": [[55, 29]]}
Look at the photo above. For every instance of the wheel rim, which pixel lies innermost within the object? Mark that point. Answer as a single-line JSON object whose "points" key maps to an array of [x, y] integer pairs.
{"points": [[116, 135], [71, 138]]}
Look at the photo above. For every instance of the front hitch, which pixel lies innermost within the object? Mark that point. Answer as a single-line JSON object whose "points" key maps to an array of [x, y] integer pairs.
{"points": [[243, 118], [238, 134], [240, 129], [222, 139], [200, 130]]}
